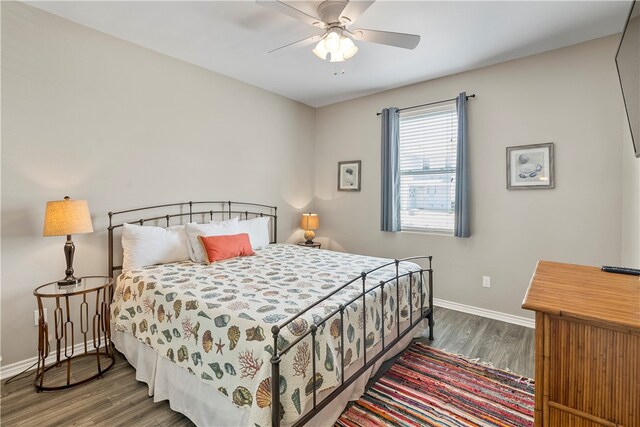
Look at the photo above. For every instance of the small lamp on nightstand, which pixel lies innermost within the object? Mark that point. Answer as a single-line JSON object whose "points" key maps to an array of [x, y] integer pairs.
{"points": [[309, 222], [67, 217]]}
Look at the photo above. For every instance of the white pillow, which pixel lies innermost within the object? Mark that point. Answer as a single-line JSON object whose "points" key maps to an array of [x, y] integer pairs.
{"points": [[148, 245], [258, 231], [214, 228]]}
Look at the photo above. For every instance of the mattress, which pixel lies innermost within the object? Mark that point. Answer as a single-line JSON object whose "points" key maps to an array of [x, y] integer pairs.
{"points": [[214, 321]]}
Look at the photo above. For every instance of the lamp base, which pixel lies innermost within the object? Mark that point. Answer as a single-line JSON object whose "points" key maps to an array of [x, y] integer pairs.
{"points": [[309, 235], [69, 281]]}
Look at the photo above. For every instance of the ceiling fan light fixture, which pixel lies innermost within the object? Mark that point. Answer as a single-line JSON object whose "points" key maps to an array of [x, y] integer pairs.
{"points": [[332, 42], [337, 57], [347, 47], [320, 51]]}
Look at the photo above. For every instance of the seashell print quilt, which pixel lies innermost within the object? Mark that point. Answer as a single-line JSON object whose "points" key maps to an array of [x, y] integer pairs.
{"points": [[215, 320]]}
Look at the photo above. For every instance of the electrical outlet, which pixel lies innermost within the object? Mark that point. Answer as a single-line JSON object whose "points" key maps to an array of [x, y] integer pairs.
{"points": [[36, 316], [486, 281]]}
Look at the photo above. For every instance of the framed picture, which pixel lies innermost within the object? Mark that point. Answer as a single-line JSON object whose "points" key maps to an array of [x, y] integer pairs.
{"points": [[349, 175], [530, 167]]}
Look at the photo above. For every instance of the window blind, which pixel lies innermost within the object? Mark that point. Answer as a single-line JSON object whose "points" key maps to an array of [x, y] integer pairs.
{"points": [[427, 151]]}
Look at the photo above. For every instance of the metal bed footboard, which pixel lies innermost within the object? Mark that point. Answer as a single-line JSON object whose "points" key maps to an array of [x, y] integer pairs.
{"points": [[425, 312]]}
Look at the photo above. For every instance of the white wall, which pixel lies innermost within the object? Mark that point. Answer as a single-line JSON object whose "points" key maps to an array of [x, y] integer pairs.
{"points": [[90, 116], [568, 96]]}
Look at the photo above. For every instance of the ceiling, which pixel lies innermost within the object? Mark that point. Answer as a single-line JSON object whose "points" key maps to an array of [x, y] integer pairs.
{"points": [[233, 38]]}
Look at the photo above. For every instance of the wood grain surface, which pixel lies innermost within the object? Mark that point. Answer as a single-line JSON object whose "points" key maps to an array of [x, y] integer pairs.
{"points": [[585, 292], [587, 358]]}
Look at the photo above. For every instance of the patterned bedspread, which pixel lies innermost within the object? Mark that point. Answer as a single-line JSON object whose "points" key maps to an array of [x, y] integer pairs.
{"points": [[215, 320]]}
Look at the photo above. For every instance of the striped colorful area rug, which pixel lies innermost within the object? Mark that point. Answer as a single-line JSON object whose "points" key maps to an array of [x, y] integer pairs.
{"points": [[428, 387]]}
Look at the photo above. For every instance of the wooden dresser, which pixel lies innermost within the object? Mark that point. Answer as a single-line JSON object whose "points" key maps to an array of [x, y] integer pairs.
{"points": [[587, 359]]}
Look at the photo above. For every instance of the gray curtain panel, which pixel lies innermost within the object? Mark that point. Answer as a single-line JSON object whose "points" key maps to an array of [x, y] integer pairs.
{"points": [[390, 215], [461, 223]]}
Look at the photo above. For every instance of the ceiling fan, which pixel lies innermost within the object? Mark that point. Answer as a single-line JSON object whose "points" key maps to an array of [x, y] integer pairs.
{"points": [[332, 19]]}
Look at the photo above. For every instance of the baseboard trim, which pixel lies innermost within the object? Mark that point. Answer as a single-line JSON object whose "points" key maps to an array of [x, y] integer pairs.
{"points": [[495, 315], [15, 368]]}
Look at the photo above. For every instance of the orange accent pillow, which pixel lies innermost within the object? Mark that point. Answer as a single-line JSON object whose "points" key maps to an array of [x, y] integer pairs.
{"points": [[218, 248]]}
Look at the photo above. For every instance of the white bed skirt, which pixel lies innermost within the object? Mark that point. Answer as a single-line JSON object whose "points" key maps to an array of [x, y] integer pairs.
{"points": [[206, 406]]}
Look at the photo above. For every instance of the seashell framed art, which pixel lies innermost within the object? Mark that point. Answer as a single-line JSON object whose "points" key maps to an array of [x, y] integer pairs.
{"points": [[349, 175], [530, 167]]}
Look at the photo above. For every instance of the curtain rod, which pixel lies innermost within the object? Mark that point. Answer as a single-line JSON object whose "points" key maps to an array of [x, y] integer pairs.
{"points": [[431, 103]]}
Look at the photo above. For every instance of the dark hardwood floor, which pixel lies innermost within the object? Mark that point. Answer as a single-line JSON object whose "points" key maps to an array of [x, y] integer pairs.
{"points": [[119, 399], [504, 345]]}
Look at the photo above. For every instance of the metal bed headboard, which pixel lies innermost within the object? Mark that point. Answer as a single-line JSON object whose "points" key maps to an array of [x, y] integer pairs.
{"points": [[217, 209]]}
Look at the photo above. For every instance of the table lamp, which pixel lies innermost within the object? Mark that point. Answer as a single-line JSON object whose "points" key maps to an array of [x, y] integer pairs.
{"points": [[67, 217], [309, 222]]}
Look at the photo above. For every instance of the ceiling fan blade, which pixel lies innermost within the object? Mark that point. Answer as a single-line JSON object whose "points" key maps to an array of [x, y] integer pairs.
{"points": [[302, 42], [353, 10], [291, 11], [406, 41]]}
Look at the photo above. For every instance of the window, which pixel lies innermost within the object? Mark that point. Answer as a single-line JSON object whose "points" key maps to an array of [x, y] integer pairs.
{"points": [[428, 146]]}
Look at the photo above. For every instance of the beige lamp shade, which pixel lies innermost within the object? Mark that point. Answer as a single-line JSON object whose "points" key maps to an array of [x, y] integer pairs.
{"points": [[65, 217], [310, 221]]}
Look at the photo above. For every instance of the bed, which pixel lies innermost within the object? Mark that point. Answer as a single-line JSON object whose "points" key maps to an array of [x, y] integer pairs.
{"points": [[269, 339]]}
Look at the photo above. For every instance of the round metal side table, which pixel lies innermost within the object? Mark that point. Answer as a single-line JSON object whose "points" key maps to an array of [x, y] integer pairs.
{"points": [[92, 295]]}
